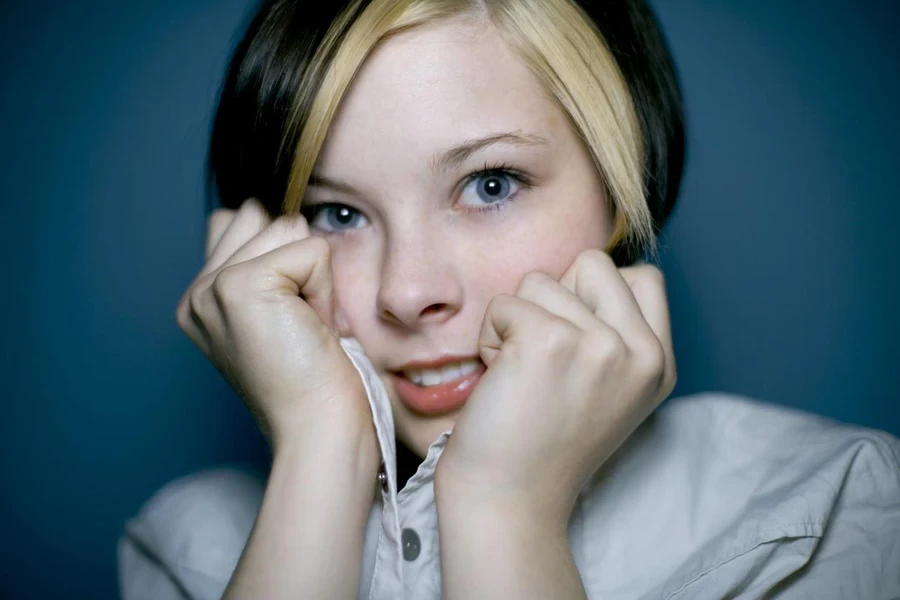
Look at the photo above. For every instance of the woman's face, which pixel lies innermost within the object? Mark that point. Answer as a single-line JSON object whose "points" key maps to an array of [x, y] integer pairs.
{"points": [[421, 241]]}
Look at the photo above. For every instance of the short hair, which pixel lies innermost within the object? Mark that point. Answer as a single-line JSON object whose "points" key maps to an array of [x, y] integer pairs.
{"points": [[606, 63]]}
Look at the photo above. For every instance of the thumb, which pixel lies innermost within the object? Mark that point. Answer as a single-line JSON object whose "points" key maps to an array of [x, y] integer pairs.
{"points": [[502, 327], [341, 323]]}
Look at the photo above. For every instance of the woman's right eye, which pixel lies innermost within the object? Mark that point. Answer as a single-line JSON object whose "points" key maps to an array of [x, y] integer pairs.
{"points": [[334, 218]]}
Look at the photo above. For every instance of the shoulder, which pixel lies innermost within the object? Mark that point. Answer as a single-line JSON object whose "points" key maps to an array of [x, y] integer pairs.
{"points": [[782, 465], [716, 430], [190, 534], [710, 439], [726, 490]]}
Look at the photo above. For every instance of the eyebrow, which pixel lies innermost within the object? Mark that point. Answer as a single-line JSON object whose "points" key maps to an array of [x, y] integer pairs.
{"points": [[455, 156], [334, 184], [449, 159]]}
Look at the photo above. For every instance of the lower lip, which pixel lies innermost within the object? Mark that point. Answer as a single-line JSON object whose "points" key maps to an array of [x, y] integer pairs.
{"points": [[436, 399]]}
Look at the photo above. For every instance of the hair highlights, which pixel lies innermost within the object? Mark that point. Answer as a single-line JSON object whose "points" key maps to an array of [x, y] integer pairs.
{"points": [[605, 63]]}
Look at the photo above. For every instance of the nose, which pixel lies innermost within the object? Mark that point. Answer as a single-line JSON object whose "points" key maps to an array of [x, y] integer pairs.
{"points": [[419, 285]]}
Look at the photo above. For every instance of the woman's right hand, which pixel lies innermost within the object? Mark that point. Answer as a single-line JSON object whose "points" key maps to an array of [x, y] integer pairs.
{"points": [[261, 310]]}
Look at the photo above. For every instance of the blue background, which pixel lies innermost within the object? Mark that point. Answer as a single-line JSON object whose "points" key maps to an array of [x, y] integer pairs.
{"points": [[781, 258]]}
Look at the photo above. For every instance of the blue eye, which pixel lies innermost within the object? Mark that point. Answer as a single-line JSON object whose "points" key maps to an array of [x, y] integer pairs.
{"points": [[489, 187], [334, 218]]}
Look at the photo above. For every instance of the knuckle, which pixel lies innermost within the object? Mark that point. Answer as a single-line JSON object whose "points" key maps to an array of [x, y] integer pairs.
{"points": [[252, 206], [531, 282], [650, 359], [649, 276], [182, 316], [558, 335], [226, 285], [499, 302], [593, 257], [670, 380], [604, 345], [195, 304], [253, 215], [319, 246], [220, 217]]}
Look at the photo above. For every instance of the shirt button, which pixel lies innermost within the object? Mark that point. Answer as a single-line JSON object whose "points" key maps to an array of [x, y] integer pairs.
{"points": [[411, 545], [382, 478]]}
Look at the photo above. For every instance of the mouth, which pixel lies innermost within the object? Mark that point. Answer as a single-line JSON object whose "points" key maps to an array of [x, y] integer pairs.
{"points": [[439, 386]]}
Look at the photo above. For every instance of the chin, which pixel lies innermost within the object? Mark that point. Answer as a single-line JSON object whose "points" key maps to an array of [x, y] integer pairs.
{"points": [[424, 431]]}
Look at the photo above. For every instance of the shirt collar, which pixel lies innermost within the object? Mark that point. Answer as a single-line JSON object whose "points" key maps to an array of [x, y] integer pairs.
{"points": [[384, 420]]}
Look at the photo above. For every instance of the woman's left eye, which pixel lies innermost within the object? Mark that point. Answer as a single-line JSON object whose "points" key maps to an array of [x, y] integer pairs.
{"points": [[490, 188]]}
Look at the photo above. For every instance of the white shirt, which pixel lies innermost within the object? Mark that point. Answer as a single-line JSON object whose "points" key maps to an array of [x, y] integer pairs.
{"points": [[714, 496]]}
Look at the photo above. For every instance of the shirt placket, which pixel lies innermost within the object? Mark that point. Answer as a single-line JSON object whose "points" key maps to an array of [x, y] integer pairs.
{"points": [[387, 573], [419, 530], [407, 556]]}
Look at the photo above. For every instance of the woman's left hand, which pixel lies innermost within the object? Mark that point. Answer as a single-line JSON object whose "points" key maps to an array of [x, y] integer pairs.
{"points": [[573, 368]]}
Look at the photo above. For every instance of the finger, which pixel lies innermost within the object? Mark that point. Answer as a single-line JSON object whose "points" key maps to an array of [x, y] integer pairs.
{"points": [[216, 225], [508, 319], [544, 291], [649, 291], [284, 230], [305, 269], [189, 322], [595, 279], [250, 219], [341, 322]]}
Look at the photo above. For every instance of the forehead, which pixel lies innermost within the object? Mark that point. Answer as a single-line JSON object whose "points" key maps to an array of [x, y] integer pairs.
{"points": [[433, 86]]}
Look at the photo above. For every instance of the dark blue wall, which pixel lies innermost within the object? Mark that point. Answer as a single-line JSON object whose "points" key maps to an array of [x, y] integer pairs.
{"points": [[781, 258]]}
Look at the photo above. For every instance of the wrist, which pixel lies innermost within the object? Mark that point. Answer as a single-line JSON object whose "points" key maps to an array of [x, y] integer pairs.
{"points": [[310, 530], [352, 453], [460, 500], [526, 552]]}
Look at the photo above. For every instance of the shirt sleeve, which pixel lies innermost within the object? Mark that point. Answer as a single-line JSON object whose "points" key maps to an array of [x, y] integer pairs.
{"points": [[854, 554], [187, 539]]}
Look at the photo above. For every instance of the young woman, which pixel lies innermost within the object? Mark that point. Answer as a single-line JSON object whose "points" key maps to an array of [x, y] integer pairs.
{"points": [[434, 215]]}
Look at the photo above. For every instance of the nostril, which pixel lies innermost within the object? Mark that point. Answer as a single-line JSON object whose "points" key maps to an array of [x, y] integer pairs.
{"points": [[433, 309]]}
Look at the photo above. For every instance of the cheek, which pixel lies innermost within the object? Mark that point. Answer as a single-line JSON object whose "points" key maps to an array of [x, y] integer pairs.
{"points": [[549, 244], [354, 287], [508, 266]]}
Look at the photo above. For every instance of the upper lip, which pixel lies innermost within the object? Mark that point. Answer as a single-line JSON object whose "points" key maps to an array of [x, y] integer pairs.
{"points": [[434, 363]]}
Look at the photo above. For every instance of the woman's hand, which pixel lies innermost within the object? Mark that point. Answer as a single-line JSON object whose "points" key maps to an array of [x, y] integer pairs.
{"points": [[573, 368], [261, 311]]}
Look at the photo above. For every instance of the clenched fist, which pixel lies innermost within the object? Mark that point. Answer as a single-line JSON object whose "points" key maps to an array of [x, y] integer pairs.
{"points": [[574, 366], [261, 310]]}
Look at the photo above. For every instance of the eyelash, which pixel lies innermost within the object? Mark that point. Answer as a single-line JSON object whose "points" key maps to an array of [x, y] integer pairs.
{"points": [[503, 169], [311, 211]]}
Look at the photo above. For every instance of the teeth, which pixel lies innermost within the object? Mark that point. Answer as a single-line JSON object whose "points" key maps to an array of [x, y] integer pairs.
{"points": [[468, 367], [429, 377], [454, 371]]}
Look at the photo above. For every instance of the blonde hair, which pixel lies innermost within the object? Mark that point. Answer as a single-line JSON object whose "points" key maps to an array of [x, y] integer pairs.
{"points": [[555, 38]]}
